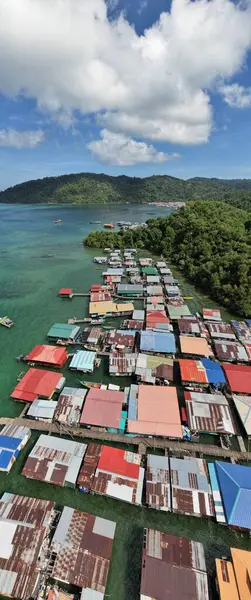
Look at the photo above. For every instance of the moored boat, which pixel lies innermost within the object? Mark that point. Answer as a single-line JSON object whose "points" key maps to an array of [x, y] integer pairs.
{"points": [[57, 221], [6, 322], [109, 225]]}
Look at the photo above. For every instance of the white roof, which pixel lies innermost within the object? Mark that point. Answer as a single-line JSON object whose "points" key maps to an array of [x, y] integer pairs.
{"points": [[42, 409]]}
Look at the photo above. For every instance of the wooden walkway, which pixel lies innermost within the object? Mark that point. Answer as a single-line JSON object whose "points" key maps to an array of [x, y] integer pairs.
{"points": [[181, 447]]}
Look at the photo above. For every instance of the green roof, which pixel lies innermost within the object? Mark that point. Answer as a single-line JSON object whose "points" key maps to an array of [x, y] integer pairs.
{"points": [[176, 312], [63, 331], [149, 270]]}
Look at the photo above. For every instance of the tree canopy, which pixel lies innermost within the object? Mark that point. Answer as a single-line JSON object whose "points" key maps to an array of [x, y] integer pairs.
{"points": [[92, 188], [209, 241]]}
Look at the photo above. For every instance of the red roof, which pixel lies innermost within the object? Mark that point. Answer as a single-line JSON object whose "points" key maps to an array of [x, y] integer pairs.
{"points": [[48, 355], [114, 461], [96, 287], [192, 370], [157, 316], [239, 377], [102, 408], [36, 382], [65, 292]]}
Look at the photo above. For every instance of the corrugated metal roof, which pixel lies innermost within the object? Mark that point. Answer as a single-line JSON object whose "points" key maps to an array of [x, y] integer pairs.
{"points": [[155, 307], [49, 355], [138, 315], [42, 409], [83, 360], [158, 412], [150, 367], [102, 408], [242, 568], [121, 338], [11, 445], [122, 363], [239, 378], [209, 412], [83, 545], [195, 345], [172, 567], [230, 350], [214, 371], [119, 475], [235, 486], [152, 279], [69, 405], [158, 488], [226, 580], [37, 382], [157, 342], [243, 406], [175, 312], [218, 505], [242, 330], [191, 490], [154, 290], [192, 326], [24, 524], [89, 465], [63, 331], [192, 371], [212, 314], [54, 460], [133, 402], [135, 288], [94, 335], [220, 330]]}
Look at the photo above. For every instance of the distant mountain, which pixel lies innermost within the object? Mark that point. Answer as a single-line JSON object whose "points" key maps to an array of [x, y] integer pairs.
{"points": [[89, 188]]}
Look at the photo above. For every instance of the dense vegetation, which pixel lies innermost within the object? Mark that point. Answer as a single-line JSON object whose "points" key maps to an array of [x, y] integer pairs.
{"points": [[93, 188], [209, 241]]}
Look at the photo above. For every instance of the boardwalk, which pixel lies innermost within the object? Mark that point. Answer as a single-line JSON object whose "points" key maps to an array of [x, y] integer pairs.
{"points": [[149, 443]]}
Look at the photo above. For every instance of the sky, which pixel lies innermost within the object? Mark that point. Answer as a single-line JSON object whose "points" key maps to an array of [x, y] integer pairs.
{"points": [[134, 87]]}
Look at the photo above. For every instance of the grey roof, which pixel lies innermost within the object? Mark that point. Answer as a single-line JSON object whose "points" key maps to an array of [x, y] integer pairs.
{"points": [[138, 315], [42, 409]]}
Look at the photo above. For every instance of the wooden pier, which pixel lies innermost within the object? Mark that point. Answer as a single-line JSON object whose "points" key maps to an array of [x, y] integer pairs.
{"points": [[181, 447]]}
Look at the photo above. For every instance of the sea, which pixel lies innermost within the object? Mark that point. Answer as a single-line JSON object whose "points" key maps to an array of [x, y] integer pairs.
{"points": [[37, 258]]}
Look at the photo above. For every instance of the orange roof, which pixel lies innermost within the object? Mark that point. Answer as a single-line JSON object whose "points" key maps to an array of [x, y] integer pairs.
{"points": [[192, 370], [195, 345], [226, 580], [242, 568], [158, 412]]}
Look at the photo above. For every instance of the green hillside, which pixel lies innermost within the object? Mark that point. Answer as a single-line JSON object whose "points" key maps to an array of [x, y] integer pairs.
{"points": [[84, 188], [210, 242]]}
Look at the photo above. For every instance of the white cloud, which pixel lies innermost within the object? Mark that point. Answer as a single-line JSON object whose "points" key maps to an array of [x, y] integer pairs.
{"points": [[119, 149], [11, 138], [68, 56], [236, 95]]}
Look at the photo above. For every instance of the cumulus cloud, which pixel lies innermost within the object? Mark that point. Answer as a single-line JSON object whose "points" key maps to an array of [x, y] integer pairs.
{"points": [[11, 138], [236, 95], [69, 57], [119, 149]]}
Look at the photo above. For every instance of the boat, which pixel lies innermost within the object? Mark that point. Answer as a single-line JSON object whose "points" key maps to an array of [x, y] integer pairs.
{"points": [[188, 297], [21, 357], [109, 225], [97, 321], [57, 221], [90, 384], [6, 322]]}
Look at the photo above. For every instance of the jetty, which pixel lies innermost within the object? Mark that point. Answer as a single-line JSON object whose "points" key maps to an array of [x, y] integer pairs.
{"points": [[98, 433]]}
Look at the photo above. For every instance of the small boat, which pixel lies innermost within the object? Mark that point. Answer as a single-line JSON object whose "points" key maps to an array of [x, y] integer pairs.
{"points": [[90, 384], [21, 357], [6, 322], [57, 221], [97, 321], [188, 297], [109, 225]]}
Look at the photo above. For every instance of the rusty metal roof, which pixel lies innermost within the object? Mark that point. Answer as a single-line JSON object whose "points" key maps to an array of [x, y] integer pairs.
{"points": [[209, 412], [89, 465], [69, 405], [158, 488], [55, 460], [119, 475], [122, 363], [82, 544], [24, 524], [172, 567], [191, 489]]}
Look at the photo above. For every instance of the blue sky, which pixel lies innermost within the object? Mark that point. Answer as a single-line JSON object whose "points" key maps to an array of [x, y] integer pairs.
{"points": [[109, 88]]}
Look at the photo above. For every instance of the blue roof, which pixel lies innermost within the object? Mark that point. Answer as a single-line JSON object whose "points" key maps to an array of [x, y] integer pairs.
{"points": [[214, 371], [5, 458], [248, 321], [83, 360], [155, 341], [133, 403], [9, 443], [235, 485]]}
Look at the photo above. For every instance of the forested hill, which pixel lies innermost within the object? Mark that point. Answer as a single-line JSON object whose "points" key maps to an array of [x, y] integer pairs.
{"points": [[92, 188], [209, 241]]}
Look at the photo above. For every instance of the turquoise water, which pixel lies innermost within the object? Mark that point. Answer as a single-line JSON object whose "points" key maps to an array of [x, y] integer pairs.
{"points": [[30, 280]]}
